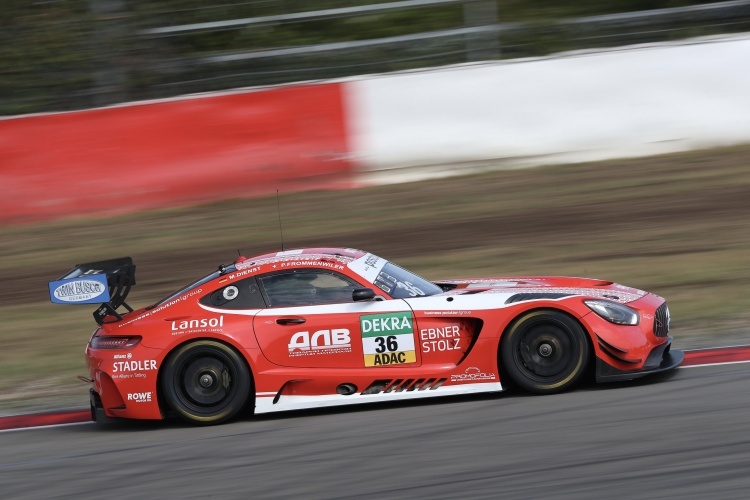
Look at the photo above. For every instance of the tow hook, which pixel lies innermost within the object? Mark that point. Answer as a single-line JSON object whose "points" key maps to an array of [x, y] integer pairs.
{"points": [[84, 379]]}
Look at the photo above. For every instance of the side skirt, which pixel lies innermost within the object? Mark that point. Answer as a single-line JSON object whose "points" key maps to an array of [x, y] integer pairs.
{"points": [[264, 402]]}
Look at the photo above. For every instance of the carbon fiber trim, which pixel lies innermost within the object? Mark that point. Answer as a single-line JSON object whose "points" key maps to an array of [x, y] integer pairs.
{"points": [[666, 358]]}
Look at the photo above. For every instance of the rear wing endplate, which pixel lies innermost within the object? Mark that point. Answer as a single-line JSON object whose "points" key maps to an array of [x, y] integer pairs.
{"points": [[106, 282]]}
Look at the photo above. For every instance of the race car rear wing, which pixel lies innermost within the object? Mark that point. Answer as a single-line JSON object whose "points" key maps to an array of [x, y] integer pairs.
{"points": [[106, 282]]}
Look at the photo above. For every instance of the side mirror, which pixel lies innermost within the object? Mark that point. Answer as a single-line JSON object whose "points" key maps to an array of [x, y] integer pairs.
{"points": [[360, 294]]}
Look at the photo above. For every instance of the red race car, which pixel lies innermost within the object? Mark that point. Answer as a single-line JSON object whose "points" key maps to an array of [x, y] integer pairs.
{"points": [[324, 326]]}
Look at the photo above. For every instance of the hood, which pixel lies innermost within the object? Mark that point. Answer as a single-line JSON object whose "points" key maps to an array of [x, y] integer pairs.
{"points": [[544, 285]]}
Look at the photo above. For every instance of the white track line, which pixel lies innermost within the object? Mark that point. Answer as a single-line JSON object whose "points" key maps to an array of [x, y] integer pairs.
{"points": [[715, 348], [45, 426], [715, 364]]}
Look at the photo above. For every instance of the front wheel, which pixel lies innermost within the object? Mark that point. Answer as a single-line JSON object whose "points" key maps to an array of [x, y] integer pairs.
{"points": [[545, 352], [206, 382]]}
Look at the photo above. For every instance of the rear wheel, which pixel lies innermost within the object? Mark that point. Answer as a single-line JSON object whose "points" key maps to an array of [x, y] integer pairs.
{"points": [[206, 382], [545, 352]]}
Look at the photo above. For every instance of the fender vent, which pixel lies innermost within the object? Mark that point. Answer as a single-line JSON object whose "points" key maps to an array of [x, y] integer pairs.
{"points": [[615, 352], [521, 297]]}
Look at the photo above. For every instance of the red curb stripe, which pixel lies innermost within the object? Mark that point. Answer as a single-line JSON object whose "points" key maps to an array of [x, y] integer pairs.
{"points": [[39, 419], [717, 355]]}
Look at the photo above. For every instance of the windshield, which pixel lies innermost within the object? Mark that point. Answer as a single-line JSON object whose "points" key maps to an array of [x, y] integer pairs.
{"points": [[402, 284]]}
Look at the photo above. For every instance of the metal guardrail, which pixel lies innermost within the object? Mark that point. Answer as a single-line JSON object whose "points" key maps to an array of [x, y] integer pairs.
{"points": [[129, 60], [482, 37], [326, 47], [718, 10], [300, 16]]}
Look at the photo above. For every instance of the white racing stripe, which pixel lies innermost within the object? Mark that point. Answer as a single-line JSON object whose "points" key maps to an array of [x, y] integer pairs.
{"points": [[265, 404]]}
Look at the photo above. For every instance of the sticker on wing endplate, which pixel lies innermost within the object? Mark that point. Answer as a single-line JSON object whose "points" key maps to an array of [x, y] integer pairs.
{"points": [[87, 289], [388, 339]]}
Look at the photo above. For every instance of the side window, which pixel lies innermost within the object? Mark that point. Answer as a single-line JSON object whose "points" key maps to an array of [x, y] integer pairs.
{"points": [[242, 294], [306, 287]]}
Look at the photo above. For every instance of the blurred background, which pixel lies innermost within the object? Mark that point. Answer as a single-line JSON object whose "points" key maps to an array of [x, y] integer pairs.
{"points": [[677, 224], [71, 54]]}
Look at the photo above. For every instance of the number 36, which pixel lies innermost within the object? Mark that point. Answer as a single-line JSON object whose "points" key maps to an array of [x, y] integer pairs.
{"points": [[386, 342]]}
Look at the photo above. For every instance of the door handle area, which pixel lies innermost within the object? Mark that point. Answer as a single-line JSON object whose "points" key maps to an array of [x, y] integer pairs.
{"points": [[290, 321]]}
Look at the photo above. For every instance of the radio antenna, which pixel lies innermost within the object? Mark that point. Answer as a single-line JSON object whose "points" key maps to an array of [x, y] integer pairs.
{"points": [[278, 209]]}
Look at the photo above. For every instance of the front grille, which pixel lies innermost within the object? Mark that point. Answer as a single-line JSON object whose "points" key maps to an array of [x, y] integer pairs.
{"points": [[661, 321]]}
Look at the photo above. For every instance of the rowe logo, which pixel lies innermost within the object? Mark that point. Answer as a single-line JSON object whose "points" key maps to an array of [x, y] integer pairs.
{"points": [[140, 397], [320, 342]]}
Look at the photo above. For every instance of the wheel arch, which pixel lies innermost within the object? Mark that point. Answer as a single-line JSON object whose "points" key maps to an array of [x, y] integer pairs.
{"points": [[541, 309], [161, 400]]}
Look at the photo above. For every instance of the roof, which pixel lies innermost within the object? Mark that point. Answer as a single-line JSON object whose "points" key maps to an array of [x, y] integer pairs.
{"points": [[340, 255]]}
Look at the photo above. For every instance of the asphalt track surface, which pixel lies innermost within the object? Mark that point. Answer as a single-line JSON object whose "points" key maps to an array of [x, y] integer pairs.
{"points": [[681, 435]]}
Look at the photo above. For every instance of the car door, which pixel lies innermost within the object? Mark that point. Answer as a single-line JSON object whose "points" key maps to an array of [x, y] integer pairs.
{"points": [[313, 322]]}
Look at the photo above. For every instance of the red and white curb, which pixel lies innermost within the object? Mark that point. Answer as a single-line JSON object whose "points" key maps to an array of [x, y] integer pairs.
{"points": [[716, 356], [693, 358], [44, 419]]}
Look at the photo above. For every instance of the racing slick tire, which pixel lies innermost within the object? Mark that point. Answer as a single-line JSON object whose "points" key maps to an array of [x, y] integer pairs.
{"points": [[206, 382], [545, 352]]}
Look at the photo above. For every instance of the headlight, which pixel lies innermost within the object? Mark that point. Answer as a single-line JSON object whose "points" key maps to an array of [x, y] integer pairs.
{"points": [[613, 312]]}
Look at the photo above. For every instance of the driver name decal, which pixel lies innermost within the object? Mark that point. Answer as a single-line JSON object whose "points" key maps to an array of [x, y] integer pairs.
{"points": [[388, 339]]}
